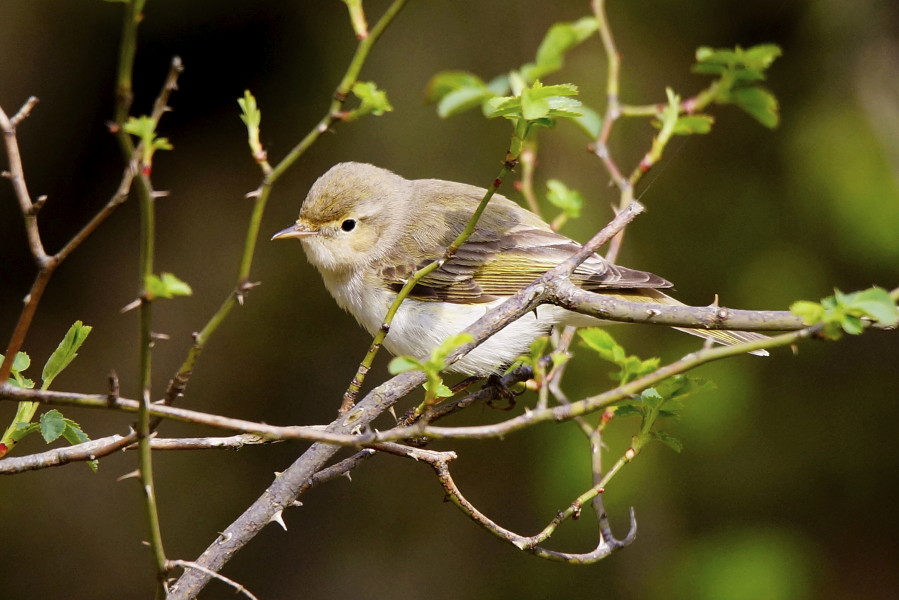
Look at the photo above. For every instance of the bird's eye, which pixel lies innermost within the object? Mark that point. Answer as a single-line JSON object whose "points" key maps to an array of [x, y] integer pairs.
{"points": [[348, 225]]}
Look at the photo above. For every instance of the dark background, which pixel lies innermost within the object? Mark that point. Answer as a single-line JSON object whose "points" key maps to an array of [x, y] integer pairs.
{"points": [[784, 487]]}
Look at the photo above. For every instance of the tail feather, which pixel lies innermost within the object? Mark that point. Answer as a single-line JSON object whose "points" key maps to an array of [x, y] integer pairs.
{"points": [[720, 336]]}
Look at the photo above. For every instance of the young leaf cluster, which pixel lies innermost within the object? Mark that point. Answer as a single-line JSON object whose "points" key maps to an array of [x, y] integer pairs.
{"points": [[144, 129], [663, 400], [847, 313], [371, 101], [252, 118], [165, 285], [519, 95], [52, 424], [630, 367], [740, 73], [567, 200]]}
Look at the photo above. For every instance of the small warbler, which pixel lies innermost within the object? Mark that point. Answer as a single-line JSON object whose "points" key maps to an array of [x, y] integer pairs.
{"points": [[367, 230]]}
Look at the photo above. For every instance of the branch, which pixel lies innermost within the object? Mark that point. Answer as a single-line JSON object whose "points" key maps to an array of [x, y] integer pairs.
{"points": [[91, 450], [101, 447], [439, 462], [567, 295]]}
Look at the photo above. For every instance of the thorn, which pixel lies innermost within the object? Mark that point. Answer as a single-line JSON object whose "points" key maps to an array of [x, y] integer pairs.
{"points": [[296, 504], [714, 302], [224, 536], [131, 475], [38, 204], [130, 306], [348, 476], [113, 395], [392, 412], [795, 349], [279, 519], [160, 336], [159, 194], [254, 194]]}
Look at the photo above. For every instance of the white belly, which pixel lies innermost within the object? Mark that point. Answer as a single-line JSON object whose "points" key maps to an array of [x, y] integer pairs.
{"points": [[419, 326]]}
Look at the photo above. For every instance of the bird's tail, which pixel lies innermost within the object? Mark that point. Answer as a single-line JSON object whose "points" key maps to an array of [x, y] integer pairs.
{"points": [[720, 336]]}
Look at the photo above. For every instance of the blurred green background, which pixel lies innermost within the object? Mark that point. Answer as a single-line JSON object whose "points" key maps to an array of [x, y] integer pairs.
{"points": [[783, 489]]}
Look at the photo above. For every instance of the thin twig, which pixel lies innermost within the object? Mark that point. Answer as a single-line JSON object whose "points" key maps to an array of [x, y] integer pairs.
{"points": [[439, 462], [91, 450], [260, 198], [189, 564]]}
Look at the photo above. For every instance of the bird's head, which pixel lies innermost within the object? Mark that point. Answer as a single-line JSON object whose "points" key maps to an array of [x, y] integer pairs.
{"points": [[352, 216]]}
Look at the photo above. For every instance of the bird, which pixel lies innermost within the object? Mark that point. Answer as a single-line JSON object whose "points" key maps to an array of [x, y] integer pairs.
{"points": [[367, 230]]}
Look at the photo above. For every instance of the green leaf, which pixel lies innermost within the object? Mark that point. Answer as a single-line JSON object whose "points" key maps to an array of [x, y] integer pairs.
{"points": [[249, 112], [499, 85], [165, 286], [562, 197], [679, 387], [75, 435], [437, 360], [401, 364], [692, 124], [876, 303], [599, 340], [628, 409], [461, 100], [144, 128], [446, 82], [588, 121], [536, 104], [760, 57], [759, 103], [559, 39], [669, 440], [538, 90], [845, 312], [52, 425], [809, 312], [852, 325], [739, 72], [652, 398], [533, 105], [21, 362], [65, 352], [723, 56], [371, 101], [441, 391]]}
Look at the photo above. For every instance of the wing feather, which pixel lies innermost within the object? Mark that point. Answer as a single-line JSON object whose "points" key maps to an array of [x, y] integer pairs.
{"points": [[509, 249]]}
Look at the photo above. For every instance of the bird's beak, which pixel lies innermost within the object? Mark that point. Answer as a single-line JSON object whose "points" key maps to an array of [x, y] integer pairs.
{"points": [[298, 230]]}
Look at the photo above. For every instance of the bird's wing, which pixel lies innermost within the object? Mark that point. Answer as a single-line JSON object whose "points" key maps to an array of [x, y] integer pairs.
{"points": [[492, 265]]}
